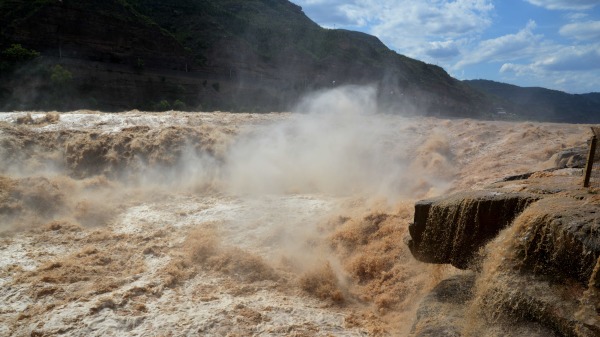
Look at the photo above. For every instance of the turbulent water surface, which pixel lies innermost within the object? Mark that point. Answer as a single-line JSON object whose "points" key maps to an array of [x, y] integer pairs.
{"points": [[172, 224]]}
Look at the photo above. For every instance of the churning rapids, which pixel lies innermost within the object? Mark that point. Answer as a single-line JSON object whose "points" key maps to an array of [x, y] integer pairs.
{"points": [[219, 224]]}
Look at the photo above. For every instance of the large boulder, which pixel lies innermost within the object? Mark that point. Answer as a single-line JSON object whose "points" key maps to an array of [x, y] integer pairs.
{"points": [[575, 157]]}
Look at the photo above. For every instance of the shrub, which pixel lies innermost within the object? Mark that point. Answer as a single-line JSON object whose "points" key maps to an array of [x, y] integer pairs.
{"points": [[60, 75], [163, 105], [138, 66], [17, 53], [179, 105]]}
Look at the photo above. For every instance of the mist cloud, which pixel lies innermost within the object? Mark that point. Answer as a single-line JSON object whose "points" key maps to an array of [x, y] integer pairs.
{"points": [[333, 146], [337, 144]]}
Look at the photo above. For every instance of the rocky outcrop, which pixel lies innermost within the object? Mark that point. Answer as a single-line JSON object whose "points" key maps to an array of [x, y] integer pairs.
{"points": [[574, 158], [452, 229], [542, 273], [559, 233]]}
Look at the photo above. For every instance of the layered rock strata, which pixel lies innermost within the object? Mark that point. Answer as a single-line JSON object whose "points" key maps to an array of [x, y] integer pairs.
{"points": [[452, 229]]}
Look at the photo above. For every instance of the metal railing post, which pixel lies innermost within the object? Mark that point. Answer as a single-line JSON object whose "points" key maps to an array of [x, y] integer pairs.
{"points": [[590, 161]]}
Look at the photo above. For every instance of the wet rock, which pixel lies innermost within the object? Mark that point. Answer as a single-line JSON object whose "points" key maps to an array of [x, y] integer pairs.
{"points": [[452, 229], [510, 297], [560, 236], [442, 311], [518, 177], [538, 277], [571, 158], [446, 311]]}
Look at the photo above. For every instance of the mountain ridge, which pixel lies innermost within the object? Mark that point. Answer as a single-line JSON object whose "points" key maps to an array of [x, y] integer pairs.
{"points": [[541, 104]]}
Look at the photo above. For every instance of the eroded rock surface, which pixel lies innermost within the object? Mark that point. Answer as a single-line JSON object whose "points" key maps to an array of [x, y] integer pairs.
{"points": [[452, 229]]}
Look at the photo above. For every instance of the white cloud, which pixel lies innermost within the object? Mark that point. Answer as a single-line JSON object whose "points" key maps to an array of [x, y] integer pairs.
{"points": [[407, 25], [568, 68], [457, 14], [504, 48], [576, 16], [565, 4], [573, 82], [436, 18], [573, 58], [443, 49], [589, 30]]}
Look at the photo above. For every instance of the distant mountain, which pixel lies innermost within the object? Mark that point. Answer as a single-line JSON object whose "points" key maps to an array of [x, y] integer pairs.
{"points": [[541, 104], [238, 55], [593, 96]]}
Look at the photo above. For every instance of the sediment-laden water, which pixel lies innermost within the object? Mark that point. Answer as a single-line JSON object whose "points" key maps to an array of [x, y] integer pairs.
{"points": [[173, 224]]}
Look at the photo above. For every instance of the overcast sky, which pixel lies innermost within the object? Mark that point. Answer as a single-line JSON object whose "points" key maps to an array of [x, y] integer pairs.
{"points": [[548, 43]]}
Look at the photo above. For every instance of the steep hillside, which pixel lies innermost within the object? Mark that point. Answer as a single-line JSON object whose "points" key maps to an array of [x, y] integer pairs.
{"points": [[253, 55], [541, 104], [98, 43]]}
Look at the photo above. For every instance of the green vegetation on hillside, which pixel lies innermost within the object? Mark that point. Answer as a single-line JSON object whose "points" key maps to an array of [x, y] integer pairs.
{"points": [[263, 55]]}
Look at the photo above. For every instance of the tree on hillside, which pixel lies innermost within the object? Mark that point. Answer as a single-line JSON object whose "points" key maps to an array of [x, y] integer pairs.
{"points": [[14, 55], [17, 53], [60, 76]]}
